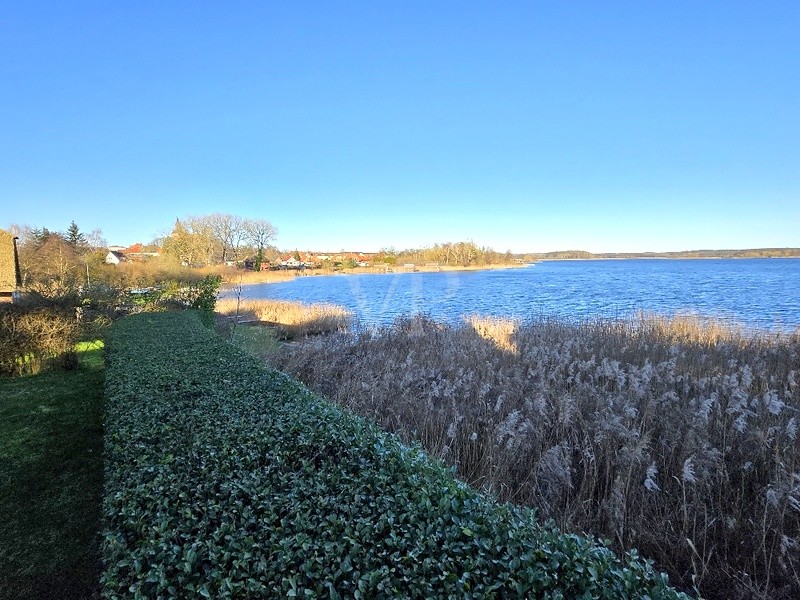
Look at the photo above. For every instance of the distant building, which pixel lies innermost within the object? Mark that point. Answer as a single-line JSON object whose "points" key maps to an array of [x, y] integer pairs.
{"points": [[291, 263], [114, 257], [10, 279], [137, 252], [249, 264]]}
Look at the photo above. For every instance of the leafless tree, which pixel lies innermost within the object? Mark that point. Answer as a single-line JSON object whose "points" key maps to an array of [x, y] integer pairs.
{"points": [[23, 232], [217, 237], [260, 233], [96, 240], [229, 231]]}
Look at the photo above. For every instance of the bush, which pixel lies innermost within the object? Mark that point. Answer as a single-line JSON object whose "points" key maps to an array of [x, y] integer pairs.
{"points": [[225, 479], [42, 330], [33, 338]]}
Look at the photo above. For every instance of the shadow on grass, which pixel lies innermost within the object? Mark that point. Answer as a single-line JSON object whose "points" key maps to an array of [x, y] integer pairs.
{"points": [[51, 477]]}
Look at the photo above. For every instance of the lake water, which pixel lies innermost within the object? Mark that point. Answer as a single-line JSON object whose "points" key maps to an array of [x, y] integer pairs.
{"points": [[761, 293]]}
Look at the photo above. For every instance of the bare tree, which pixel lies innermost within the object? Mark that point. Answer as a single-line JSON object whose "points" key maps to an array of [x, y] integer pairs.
{"points": [[52, 268], [238, 235], [216, 237], [260, 233], [191, 242], [203, 240], [229, 231], [23, 232], [96, 240]]}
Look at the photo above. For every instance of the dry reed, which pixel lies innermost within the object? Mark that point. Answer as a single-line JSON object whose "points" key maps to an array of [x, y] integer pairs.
{"points": [[290, 320], [675, 436], [233, 276]]}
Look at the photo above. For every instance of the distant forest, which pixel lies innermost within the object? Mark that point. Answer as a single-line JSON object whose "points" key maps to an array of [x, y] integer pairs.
{"points": [[751, 253]]}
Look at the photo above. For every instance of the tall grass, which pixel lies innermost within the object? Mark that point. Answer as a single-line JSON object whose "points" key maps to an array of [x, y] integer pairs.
{"points": [[675, 436], [291, 320]]}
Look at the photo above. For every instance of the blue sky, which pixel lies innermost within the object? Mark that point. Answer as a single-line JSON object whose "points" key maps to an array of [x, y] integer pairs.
{"points": [[529, 126]]}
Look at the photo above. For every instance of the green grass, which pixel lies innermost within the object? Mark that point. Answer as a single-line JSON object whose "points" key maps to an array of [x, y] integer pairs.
{"points": [[257, 341], [51, 477]]}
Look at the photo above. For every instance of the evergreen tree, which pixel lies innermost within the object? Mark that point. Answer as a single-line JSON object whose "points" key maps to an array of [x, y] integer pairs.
{"points": [[40, 236], [74, 237]]}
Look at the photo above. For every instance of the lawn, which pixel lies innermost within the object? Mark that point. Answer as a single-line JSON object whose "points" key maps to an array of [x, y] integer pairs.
{"points": [[51, 477]]}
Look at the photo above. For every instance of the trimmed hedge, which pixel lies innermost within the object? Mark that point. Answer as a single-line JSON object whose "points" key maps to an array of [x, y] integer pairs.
{"points": [[228, 480]]}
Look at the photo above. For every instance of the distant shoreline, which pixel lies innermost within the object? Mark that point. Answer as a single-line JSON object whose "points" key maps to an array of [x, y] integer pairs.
{"points": [[249, 278], [666, 258], [396, 270], [257, 278], [686, 254]]}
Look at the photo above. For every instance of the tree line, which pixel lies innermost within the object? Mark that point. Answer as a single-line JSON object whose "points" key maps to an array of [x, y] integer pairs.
{"points": [[745, 253], [55, 263], [59, 263], [460, 254], [219, 238]]}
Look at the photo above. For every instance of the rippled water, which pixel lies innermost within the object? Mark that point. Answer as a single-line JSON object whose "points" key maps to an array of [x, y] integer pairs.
{"points": [[763, 293]]}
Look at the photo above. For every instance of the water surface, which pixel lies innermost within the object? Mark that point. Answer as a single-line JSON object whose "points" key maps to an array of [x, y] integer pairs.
{"points": [[761, 293]]}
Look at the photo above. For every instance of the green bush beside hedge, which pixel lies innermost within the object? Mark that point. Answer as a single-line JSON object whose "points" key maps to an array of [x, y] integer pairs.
{"points": [[228, 480]]}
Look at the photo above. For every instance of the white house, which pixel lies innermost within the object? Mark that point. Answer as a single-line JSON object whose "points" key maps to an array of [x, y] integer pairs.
{"points": [[114, 257]]}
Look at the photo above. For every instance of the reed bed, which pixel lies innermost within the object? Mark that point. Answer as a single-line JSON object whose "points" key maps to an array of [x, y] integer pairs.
{"points": [[234, 276], [290, 320], [675, 436]]}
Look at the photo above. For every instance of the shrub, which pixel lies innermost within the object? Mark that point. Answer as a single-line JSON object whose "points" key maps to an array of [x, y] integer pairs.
{"points": [[200, 293], [33, 338], [228, 480]]}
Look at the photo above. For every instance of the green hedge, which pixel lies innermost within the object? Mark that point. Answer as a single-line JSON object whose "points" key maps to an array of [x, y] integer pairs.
{"points": [[228, 480]]}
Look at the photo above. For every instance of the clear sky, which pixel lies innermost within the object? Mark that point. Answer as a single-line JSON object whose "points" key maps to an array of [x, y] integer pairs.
{"points": [[528, 125]]}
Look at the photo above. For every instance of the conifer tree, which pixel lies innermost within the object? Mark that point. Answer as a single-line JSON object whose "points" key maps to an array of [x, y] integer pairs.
{"points": [[74, 237]]}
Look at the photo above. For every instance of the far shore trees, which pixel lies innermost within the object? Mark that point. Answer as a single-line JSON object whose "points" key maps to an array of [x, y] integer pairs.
{"points": [[458, 254]]}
